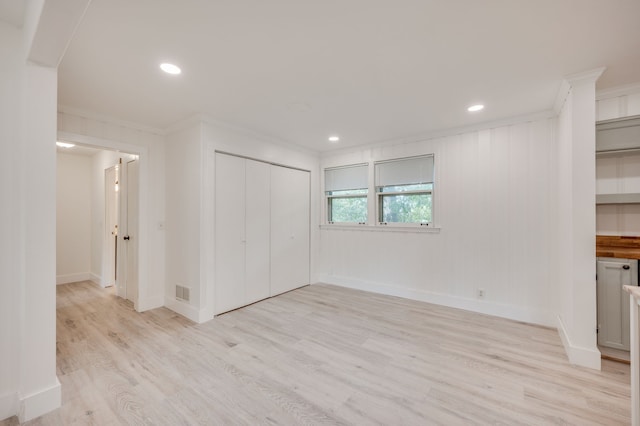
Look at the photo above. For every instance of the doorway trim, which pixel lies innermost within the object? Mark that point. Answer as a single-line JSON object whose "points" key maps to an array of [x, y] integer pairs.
{"points": [[141, 303]]}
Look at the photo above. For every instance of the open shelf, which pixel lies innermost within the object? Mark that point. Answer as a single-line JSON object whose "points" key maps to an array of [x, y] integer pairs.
{"points": [[618, 198]]}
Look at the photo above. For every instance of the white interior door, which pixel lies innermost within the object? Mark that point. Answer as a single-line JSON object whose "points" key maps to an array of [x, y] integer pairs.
{"points": [[111, 204], [230, 233], [613, 303], [289, 229], [131, 239], [257, 230]]}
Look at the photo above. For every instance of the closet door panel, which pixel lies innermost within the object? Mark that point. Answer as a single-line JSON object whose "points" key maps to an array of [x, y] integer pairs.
{"points": [[289, 229], [258, 225], [230, 233]]}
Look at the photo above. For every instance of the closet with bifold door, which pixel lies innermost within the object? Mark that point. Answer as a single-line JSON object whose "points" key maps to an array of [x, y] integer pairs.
{"points": [[261, 230]]}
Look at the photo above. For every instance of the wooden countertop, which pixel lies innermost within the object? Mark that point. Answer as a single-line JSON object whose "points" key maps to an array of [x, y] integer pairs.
{"points": [[617, 246]]}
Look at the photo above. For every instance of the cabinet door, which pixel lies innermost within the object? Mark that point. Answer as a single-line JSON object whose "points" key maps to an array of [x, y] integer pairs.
{"points": [[230, 233], [289, 229], [613, 304], [257, 223]]}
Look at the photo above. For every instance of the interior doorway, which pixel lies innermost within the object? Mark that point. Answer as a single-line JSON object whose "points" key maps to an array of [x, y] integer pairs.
{"points": [[97, 218]]}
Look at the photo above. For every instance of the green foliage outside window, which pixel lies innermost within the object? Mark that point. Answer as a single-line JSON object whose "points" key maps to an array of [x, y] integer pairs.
{"points": [[349, 209], [406, 203], [410, 208]]}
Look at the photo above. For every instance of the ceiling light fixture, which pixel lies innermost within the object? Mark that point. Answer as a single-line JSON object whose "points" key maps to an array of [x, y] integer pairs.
{"points": [[475, 108], [170, 68], [334, 139], [65, 145]]}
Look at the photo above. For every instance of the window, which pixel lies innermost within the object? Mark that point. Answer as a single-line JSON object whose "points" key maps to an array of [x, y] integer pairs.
{"points": [[346, 190], [404, 189]]}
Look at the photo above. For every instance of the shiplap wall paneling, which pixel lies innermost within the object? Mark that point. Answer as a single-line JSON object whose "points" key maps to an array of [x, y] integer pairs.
{"points": [[493, 206], [289, 229], [626, 105]]}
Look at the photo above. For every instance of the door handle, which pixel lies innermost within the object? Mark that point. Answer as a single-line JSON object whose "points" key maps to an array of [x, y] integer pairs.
{"points": [[126, 238], [625, 267]]}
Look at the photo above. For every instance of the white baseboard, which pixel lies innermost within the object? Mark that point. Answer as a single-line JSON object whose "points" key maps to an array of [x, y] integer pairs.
{"points": [[8, 405], [97, 279], [518, 313], [150, 303], [585, 357], [188, 311], [73, 278], [40, 403]]}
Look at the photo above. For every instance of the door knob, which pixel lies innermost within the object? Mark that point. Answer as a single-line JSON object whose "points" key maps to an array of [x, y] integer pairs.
{"points": [[126, 238], [625, 267]]}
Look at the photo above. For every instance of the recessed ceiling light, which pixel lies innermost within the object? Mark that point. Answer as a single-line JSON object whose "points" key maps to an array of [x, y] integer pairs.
{"points": [[170, 68], [475, 108], [65, 145], [334, 139]]}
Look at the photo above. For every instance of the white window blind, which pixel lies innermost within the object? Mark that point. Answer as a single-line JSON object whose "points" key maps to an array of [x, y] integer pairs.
{"points": [[346, 178], [404, 171]]}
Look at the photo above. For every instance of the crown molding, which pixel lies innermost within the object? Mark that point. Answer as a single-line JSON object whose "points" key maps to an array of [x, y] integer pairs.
{"points": [[585, 76], [202, 118], [453, 131], [614, 92], [572, 80], [64, 109]]}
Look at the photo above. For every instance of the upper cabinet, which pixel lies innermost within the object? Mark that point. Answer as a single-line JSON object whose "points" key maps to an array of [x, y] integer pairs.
{"points": [[618, 161]]}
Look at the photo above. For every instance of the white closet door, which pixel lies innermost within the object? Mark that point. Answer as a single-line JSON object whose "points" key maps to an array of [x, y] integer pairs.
{"points": [[289, 229], [257, 230], [230, 233]]}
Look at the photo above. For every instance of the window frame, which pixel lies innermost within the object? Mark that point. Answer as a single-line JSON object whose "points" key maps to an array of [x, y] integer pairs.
{"points": [[329, 198], [344, 194], [380, 194]]}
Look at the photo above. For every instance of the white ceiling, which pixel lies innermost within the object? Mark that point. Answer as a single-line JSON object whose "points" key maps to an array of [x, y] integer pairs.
{"points": [[367, 70], [12, 11]]}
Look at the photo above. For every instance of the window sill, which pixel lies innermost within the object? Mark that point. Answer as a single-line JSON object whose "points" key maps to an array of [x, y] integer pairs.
{"points": [[387, 228]]}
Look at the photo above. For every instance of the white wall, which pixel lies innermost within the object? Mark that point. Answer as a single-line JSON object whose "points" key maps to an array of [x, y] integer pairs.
{"points": [[618, 173], [190, 204], [184, 187], [28, 383], [573, 254], [11, 281], [73, 218], [86, 129], [492, 202]]}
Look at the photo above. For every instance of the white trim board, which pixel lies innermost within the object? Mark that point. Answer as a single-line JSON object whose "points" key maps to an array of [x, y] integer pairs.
{"points": [[96, 279], [65, 109], [585, 357], [190, 312], [73, 278], [147, 303], [436, 134], [517, 313], [40, 403], [8, 405]]}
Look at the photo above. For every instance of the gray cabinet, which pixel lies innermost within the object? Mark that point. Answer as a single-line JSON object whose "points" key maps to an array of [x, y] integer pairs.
{"points": [[613, 301]]}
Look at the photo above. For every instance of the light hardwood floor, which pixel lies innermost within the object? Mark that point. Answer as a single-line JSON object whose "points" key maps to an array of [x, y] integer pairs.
{"points": [[319, 355]]}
